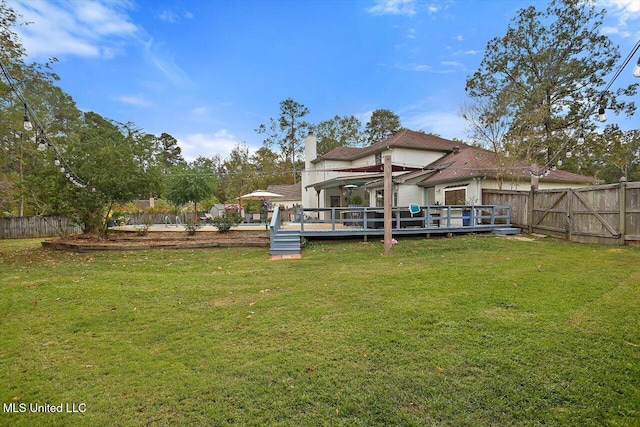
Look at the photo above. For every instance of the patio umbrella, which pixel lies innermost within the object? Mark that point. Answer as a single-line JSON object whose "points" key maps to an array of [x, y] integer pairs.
{"points": [[259, 194]]}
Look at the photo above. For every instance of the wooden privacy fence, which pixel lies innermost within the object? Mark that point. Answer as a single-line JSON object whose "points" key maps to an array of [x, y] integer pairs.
{"points": [[51, 226], [37, 226], [607, 214]]}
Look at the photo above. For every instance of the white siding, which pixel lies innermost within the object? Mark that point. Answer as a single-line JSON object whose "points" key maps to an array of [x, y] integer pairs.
{"points": [[408, 194], [415, 158]]}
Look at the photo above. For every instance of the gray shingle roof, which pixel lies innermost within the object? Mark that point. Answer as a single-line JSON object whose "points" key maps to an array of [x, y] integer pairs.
{"points": [[403, 139], [289, 191], [472, 162]]}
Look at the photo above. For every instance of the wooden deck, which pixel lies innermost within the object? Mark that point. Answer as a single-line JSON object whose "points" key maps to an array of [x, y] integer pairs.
{"points": [[352, 222], [365, 221]]}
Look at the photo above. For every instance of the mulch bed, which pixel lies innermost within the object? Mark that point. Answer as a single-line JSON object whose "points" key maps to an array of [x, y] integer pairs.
{"points": [[119, 241]]}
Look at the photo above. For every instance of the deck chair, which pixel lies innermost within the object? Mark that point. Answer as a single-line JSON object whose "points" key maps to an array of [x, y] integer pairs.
{"points": [[207, 218], [414, 209]]}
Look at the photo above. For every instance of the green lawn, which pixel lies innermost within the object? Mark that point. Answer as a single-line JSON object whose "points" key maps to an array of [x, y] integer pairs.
{"points": [[468, 331]]}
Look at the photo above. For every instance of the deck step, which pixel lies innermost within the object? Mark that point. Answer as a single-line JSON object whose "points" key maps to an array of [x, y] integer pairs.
{"points": [[285, 242], [506, 231]]}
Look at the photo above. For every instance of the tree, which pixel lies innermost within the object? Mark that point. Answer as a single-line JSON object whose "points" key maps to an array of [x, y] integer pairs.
{"points": [[488, 127], [267, 169], [46, 168], [338, 132], [190, 184], [237, 172], [115, 161], [621, 154], [546, 75], [287, 132], [382, 124], [23, 85], [170, 152]]}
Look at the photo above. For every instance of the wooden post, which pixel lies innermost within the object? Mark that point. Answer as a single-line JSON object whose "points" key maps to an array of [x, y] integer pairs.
{"points": [[622, 200], [535, 182], [388, 197], [531, 210], [535, 179], [569, 196]]}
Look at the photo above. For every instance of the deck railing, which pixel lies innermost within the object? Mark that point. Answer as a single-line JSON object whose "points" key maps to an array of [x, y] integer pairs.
{"points": [[434, 217], [275, 223]]}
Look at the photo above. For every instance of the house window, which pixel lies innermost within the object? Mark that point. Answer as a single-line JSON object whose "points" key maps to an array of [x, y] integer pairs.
{"points": [[380, 198], [378, 158], [455, 196], [334, 201]]}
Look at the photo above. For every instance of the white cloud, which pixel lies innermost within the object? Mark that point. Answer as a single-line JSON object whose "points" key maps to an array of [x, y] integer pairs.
{"points": [[134, 100], [421, 67], [624, 11], [88, 28], [103, 19], [447, 67], [173, 17], [459, 37], [165, 63], [168, 16], [207, 144], [393, 7], [447, 125], [614, 30], [364, 116], [409, 67], [200, 111]]}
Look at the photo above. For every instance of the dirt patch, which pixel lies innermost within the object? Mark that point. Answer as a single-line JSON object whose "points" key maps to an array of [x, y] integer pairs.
{"points": [[522, 238], [161, 240]]}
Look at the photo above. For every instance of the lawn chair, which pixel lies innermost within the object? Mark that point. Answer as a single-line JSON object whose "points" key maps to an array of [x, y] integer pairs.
{"points": [[414, 209], [207, 218]]}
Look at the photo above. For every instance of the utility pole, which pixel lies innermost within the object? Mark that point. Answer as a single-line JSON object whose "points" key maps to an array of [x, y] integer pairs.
{"points": [[388, 197]]}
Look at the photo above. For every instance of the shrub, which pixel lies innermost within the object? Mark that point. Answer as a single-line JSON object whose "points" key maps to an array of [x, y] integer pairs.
{"points": [[144, 230], [191, 227], [227, 220]]}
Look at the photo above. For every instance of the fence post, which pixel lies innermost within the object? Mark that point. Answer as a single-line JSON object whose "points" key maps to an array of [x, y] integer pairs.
{"points": [[530, 213], [569, 197], [622, 202]]}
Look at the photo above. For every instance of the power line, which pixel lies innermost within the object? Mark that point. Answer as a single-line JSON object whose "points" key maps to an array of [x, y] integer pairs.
{"points": [[44, 142], [551, 161]]}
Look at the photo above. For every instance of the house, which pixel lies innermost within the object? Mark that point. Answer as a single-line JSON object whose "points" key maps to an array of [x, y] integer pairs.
{"points": [[459, 177], [291, 204], [292, 195], [426, 169]]}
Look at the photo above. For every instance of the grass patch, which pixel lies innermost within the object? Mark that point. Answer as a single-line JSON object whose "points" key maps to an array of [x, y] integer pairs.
{"points": [[469, 331]]}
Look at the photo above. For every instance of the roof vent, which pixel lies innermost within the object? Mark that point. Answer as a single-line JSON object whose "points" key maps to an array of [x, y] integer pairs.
{"points": [[456, 149]]}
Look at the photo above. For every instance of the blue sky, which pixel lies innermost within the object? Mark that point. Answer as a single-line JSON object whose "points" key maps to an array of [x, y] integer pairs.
{"points": [[209, 72]]}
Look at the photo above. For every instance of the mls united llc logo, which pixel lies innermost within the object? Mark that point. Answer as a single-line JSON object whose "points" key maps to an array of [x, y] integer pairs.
{"points": [[68, 408]]}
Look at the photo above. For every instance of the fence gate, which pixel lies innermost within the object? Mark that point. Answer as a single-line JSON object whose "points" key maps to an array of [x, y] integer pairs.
{"points": [[594, 214], [581, 215], [550, 211]]}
